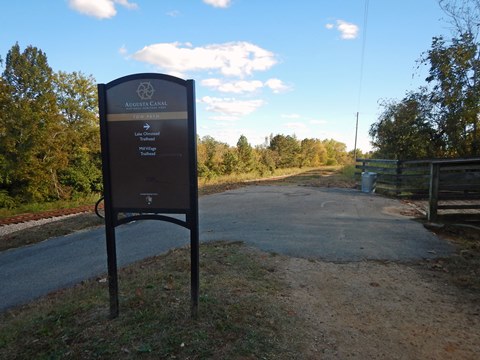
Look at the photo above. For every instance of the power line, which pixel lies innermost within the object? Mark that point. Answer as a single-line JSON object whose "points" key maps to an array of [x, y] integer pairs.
{"points": [[362, 61], [362, 56]]}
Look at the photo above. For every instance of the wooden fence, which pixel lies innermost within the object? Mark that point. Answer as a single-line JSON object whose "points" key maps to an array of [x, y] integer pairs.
{"points": [[438, 180]]}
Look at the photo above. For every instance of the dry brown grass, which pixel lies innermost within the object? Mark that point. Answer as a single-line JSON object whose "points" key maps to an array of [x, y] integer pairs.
{"points": [[239, 314]]}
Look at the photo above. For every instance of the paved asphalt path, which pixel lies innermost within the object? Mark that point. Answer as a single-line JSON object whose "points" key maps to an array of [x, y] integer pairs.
{"points": [[318, 223]]}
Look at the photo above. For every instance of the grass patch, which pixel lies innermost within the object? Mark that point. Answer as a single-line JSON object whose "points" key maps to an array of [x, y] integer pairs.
{"points": [[348, 172], [327, 176], [235, 181], [240, 316], [54, 205], [238, 178]]}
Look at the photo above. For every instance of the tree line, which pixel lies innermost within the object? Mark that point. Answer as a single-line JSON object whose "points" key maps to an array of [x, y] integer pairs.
{"points": [[278, 152], [50, 137], [441, 118]]}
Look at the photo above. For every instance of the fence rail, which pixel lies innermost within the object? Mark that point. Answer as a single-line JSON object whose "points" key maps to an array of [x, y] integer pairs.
{"points": [[437, 180]]}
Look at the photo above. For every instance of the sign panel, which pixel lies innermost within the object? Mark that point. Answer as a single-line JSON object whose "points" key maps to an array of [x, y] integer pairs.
{"points": [[147, 125]]}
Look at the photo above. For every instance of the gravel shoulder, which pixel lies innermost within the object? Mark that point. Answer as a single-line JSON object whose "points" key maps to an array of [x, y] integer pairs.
{"points": [[11, 228], [371, 310], [32, 232]]}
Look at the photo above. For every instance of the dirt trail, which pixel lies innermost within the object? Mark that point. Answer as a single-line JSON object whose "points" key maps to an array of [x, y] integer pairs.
{"points": [[373, 310]]}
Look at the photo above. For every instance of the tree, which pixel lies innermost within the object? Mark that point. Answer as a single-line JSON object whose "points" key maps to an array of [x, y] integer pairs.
{"points": [[287, 149], [336, 152], [313, 153], [245, 155], [444, 120], [455, 75], [463, 15], [6, 201], [266, 160], [404, 129], [5, 103], [32, 139], [210, 155], [229, 161], [76, 96]]}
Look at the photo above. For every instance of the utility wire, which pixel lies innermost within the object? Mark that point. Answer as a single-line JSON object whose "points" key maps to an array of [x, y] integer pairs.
{"points": [[362, 61], [362, 56]]}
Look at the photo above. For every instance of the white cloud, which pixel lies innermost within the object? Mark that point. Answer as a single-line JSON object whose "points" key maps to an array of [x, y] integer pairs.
{"points": [[299, 129], [230, 107], [218, 3], [123, 50], [224, 118], [230, 59], [276, 85], [244, 86], [236, 87], [101, 9], [348, 31], [318, 122], [290, 116], [212, 83], [296, 126], [230, 133], [173, 13], [128, 5]]}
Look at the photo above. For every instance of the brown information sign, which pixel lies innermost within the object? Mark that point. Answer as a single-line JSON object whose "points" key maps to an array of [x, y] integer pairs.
{"points": [[147, 126], [149, 162]]}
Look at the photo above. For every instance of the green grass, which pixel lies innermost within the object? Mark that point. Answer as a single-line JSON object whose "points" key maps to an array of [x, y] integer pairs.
{"points": [[348, 172], [238, 178], [54, 205], [326, 176], [240, 316]]}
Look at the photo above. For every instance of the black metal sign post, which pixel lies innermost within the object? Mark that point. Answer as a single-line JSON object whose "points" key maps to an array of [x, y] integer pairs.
{"points": [[149, 157]]}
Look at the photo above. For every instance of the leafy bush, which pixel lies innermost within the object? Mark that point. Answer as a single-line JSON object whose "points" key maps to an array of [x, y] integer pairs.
{"points": [[6, 201]]}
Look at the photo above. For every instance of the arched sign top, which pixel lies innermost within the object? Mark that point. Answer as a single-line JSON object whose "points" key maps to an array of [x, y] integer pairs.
{"points": [[147, 93], [140, 76]]}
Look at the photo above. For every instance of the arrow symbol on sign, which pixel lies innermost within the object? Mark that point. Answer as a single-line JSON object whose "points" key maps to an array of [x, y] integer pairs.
{"points": [[146, 126]]}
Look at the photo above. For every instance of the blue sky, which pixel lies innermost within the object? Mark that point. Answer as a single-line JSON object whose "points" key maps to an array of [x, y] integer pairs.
{"points": [[260, 66]]}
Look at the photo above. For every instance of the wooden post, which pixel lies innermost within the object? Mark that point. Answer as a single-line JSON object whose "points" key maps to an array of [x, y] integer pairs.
{"points": [[398, 179], [433, 193]]}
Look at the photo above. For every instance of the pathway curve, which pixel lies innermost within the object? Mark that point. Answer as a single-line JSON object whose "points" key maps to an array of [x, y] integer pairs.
{"points": [[338, 225]]}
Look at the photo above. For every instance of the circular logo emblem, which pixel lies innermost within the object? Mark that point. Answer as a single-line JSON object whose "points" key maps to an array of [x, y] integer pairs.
{"points": [[145, 90]]}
